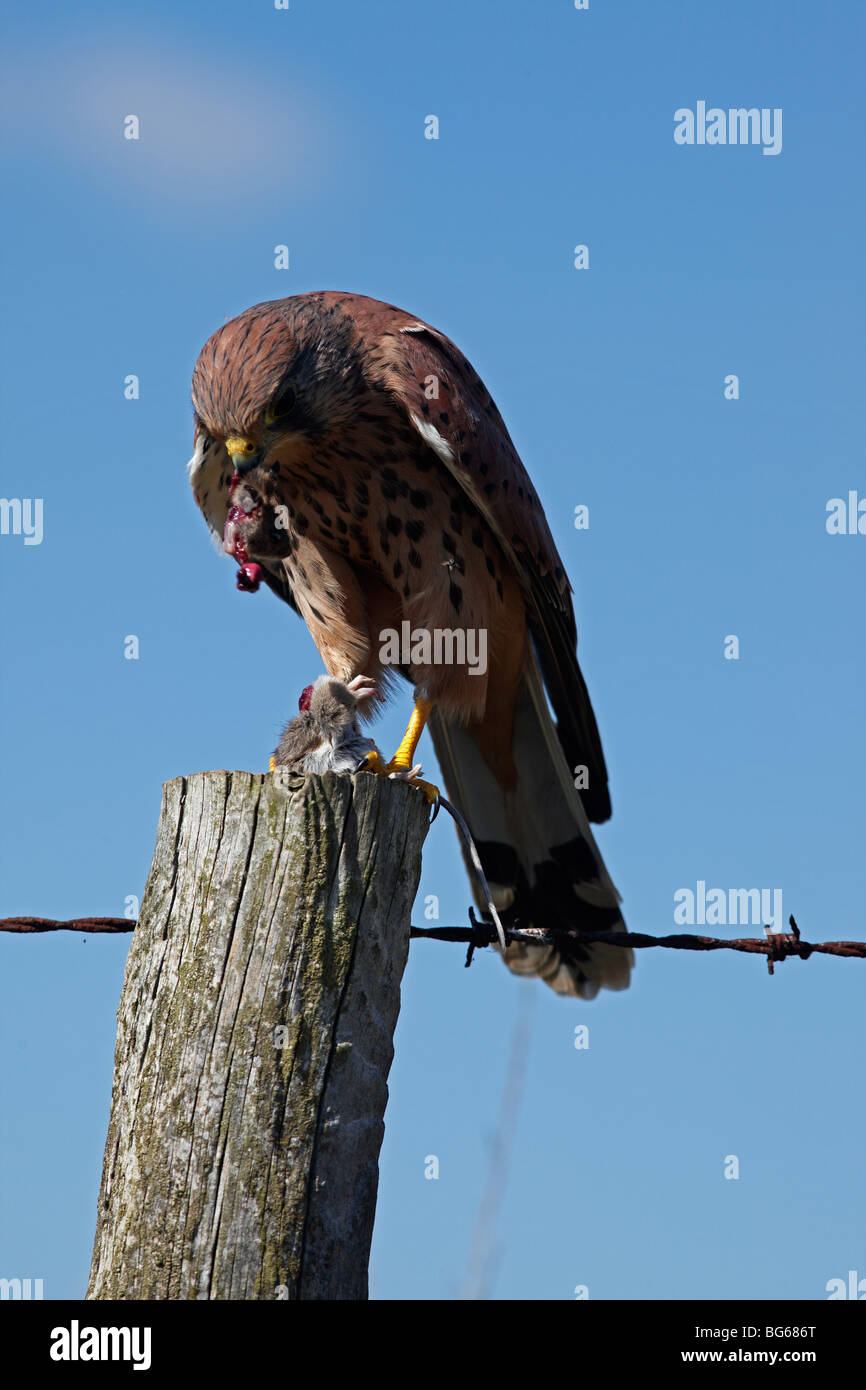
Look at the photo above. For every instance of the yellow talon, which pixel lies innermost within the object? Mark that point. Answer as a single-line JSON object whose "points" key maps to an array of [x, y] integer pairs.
{"points": [[428, 788], [374, 763], [403, 760]]}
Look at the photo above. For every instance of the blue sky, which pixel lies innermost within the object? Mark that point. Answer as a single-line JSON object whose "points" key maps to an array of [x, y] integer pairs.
{"points": [[707, 518]]}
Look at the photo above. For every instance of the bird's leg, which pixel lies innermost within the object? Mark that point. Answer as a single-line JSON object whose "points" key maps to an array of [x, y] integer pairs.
{"points": [[402, 767], [362, 687], [402, 763], [402, 759], [374, 762]]}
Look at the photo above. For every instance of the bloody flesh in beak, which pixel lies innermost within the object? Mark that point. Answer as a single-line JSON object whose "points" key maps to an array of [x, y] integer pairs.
{"points": [[249, 577], [250, 574]]}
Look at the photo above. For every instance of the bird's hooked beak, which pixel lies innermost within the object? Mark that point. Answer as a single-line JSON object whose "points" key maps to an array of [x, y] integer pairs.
{"points": [[243, 453], [234, 538]]}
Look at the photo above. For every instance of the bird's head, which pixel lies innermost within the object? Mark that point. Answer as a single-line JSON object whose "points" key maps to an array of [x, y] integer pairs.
{"points": [[268, 389], [271, 382]]}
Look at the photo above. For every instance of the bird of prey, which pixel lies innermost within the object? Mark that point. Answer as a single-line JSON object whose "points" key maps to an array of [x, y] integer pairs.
{"points": [[348, 455]]}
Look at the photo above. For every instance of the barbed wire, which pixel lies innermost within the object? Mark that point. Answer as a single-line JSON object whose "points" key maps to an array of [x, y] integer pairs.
{"points": [[481, 933], [776, 946], [91, 924]]}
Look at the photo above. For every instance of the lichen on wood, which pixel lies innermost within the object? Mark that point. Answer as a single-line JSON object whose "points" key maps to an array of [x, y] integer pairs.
{"points": [[255, 1035]]}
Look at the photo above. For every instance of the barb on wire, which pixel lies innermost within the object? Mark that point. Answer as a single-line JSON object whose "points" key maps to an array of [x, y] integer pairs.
{"points": [[776, 946], [466, 836]]}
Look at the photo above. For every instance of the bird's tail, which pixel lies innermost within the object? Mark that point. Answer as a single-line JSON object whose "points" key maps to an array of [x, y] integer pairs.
{"points": [[538, 852]]}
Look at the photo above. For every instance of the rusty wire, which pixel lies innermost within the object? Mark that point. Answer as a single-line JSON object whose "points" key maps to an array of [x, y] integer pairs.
{"points": [[776, 946], [38, 924]]}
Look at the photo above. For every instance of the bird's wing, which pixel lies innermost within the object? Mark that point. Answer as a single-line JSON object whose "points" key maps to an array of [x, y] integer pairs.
{"points": [[453, 412]]}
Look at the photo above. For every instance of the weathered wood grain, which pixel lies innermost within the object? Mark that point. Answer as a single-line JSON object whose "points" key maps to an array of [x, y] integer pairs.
{"points": [[255, 1036]]}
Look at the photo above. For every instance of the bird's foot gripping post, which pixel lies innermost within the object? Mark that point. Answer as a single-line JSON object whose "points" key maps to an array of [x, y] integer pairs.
{"points": [[402, 766]]}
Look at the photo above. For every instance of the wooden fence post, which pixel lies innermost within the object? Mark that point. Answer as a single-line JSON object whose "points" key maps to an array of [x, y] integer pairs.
{"points": [[255, 1036]]}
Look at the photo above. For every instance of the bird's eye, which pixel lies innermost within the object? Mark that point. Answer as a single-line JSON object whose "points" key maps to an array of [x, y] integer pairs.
{"points": [[281, 407]]}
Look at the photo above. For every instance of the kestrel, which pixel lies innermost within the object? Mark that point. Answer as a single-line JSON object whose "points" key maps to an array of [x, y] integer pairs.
{"points": [[349, 455]]}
